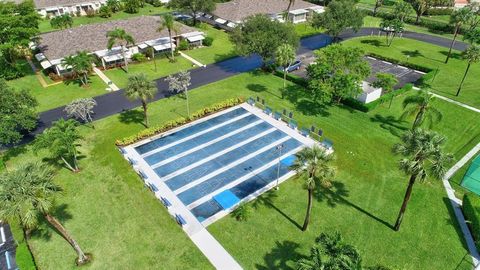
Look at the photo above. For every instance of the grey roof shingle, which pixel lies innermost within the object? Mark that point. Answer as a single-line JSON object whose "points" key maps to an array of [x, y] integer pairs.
{"points": [[59, 3], [92, 37], [238, 10]]}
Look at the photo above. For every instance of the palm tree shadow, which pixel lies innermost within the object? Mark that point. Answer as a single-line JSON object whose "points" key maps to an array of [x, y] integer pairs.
{"points": [[337, 194], [45, 232], [267, 200], [393, 125], [278, 258], [132, 116], [453, 222]]}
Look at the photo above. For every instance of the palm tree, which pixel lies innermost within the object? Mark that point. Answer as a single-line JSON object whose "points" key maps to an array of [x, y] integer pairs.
{"points": [[28, 193], [62, 141], [421, 106], [284, 56], [386, 82], [168, 23], [331, 252], [458, 18], [472, 55], [291, 3], [423, 157], [120, 36], [140, 87], [313, 165], [81, 64]]}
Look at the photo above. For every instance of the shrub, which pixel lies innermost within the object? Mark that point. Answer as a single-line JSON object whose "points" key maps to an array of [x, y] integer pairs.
{"points": [[399, 62], [357, 105], [105, 12], [183, 45], [78, 13], [90, 12], [152, 131], [208, 41], [439, 11], [471, 211], [292, 78], [139, 57], [54, 76]]}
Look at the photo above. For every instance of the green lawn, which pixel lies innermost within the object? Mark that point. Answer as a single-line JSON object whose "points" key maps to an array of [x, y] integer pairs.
{"points": [[164, 68], [449, 76], [113, 216], [59, 94], [221, 49], [306, 29], [44, 24]]}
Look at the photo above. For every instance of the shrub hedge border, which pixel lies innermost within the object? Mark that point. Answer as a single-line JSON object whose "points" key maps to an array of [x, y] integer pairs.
{"points": [[152, 131]]}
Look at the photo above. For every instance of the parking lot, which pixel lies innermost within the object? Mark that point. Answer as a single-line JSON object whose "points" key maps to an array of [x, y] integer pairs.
{"points": [[404, 75]]}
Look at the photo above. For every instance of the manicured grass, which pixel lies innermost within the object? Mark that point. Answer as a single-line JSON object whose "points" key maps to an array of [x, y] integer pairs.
{"points": [[111, 214], [23, 256], [59, 94], [164, 68], [44, 25], [221, 49], [449, 75], [306, 29]]}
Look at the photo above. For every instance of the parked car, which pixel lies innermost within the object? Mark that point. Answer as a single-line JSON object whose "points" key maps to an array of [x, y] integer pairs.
{"points": [[295, 66]]}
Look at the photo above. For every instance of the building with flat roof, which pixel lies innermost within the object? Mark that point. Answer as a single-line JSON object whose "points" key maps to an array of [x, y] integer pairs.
{"points": [[236, 11], [54, 46]]}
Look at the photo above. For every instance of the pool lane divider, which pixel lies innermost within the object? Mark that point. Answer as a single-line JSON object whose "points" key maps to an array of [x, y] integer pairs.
{"points": [[241, 179], [231, 165], [196, 148], [218, 154], [194, 135]]}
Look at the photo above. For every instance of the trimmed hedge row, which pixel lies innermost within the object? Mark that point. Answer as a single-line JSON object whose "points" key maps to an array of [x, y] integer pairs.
{"points": [[471, 211], [149, 132]]}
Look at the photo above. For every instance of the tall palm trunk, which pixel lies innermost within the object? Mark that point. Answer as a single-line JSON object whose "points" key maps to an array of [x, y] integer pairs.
{"points": [[463, 79], [284, 81], [417, 20], [453, 43], [82, 258], [408, 193], [144, 105], [69, 166], [375, 9], [419, 118], [171, 44], [125, 58], [309, 210]]}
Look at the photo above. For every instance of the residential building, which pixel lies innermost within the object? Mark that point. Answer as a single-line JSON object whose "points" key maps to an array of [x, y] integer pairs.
{"points": [[52, 8], [234, 12], [54, 46]]}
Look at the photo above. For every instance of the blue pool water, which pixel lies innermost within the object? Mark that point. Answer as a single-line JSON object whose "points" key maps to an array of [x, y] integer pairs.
{"points": [[234, 152]]}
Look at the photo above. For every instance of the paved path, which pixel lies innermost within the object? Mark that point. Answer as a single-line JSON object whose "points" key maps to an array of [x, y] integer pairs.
{"points": [[456, 102], [115, 102], [457, 204], [105, 79], [191, 59]]}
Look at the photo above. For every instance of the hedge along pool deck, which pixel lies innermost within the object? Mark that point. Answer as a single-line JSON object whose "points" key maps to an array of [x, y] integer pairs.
{"points": [[202, 170]]}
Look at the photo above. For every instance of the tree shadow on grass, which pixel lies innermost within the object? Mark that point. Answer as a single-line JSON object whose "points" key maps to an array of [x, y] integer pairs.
{"points": [[132, 116], [12, 153], [61, 213], [412, 53], [337, 194], [279, 257], [299, 96], [454, 55], [267, 200], [373, 42], [394, 125], [452, 221]]}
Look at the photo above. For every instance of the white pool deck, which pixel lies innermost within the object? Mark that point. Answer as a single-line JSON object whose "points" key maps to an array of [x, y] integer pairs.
{"points": [[196, 230]]}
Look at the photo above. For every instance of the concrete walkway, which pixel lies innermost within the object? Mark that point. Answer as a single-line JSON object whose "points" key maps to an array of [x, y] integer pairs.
{"points": [[104, 78], [456, 102], [457, 204], [195, 62]]}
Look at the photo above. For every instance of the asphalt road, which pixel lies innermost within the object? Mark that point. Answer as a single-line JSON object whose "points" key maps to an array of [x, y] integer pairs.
{"points": [[115, 102]]}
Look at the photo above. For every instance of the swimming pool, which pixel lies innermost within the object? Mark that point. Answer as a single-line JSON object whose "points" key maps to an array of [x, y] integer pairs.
{"points": [[213, 164]]}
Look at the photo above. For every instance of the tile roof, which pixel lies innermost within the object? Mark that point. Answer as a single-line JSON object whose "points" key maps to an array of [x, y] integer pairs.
{"points": [[238, 10], [92, 37]]}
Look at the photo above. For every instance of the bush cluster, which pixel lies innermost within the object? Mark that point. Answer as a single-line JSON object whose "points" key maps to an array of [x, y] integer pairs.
{"points": [[139, 57], [152, 131], [208, 41], [471, 211]]}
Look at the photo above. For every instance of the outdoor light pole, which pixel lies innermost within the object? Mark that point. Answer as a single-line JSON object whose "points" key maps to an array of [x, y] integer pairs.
{"points": [[279, 150]]}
